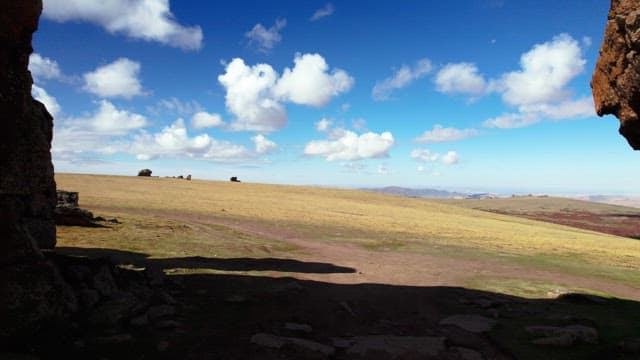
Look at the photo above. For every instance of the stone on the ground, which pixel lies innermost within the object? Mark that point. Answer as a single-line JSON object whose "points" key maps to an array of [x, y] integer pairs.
{"points": [[471, 323], [396, 346]]}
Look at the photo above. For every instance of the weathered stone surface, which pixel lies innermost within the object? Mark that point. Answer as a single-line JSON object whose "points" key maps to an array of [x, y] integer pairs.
{"points": [[563, 336], [33, 289], [616, 79], [472, 323], [396, 346], [277, 342]]}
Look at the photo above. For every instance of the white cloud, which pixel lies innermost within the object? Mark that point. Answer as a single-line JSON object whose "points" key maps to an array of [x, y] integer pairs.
{"points": [[249, 97], [420, 168], [202, 119], [460, 78], [426, 156], [546, 70], [531, 114], [49, 101], [442, 134], [450, 158], [149, 20], [327, 10], [511, 120], [265, 38], [109, 120], [255, 94], [402, 78], [310, 83], [174, 142], [323, 125], [175, 106], [351, 146], [264, 145], [354, 167], [43, 68], [118, 79]]}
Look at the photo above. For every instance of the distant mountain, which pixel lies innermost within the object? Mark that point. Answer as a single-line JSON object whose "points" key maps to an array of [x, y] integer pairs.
{"points": [[418, 193]]}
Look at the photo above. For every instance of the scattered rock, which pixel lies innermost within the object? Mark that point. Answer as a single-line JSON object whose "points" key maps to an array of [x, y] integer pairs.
{"points": [[300, 328], [396, 346], [277, 342], [563, 336], [472, 323], [145, 172], [468, 354], [67, 212]]}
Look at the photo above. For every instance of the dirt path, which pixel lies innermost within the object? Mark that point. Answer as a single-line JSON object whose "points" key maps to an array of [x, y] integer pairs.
{"points": [[393, 268]]}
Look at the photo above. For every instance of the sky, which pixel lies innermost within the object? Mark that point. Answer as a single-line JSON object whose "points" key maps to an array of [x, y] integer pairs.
{"points": [[466, 95]]}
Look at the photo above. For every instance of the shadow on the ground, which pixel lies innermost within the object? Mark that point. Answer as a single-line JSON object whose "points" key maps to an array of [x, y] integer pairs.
{"points": [[221, 313], [199, 262]]}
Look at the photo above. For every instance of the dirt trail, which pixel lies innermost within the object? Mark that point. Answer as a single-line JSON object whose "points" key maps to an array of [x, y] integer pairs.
{"points": [[389, 267]]}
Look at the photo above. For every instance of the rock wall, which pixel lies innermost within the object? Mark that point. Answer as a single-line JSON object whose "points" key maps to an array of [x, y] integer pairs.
{"points": [[32, 288], [616, 79]]}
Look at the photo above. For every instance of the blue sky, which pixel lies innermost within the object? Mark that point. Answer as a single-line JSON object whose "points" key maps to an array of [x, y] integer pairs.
{"points": [[478, 95]]}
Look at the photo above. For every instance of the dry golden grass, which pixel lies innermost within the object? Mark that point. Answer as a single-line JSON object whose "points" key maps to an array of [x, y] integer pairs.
{"points": [[377, 221]]}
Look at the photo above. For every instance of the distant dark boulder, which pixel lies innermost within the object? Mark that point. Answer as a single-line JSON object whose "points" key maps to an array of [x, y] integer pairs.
{"points": [[67, 211], [180, 177], [144, 172], [188, 177], [234, 179]]}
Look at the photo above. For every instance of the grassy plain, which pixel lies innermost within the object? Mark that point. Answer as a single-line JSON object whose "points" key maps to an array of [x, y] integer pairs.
{"points": [[164, 218]]}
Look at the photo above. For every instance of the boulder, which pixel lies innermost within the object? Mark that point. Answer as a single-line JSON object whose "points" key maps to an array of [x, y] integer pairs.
{"points": [[234, 179], [616, 79], [144, 172], [67, 211]]}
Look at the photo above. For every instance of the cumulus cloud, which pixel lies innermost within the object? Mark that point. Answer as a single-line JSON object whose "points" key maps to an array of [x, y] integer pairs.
{"points": [[265, 39], [149, 20], [109, 120], [310, 82], [43, 68], [402, 78], [263, 145], [49, 101], [460, 78], [450, 158], [174, 142], [539, 89], [118, 79], [442, 134], [249, 97], [351, 146], [426, 156], [323, 125], [327, 10], [545, 71], [255, 94], [203, 119], [531, 114]]}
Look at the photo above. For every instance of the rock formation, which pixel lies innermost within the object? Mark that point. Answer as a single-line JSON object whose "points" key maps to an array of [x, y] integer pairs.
{"points": [[616, 79], [68, 212], [32, 288]]}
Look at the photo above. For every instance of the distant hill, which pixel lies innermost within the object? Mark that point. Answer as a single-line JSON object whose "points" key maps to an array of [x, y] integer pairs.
{"points": [[418, 193]]}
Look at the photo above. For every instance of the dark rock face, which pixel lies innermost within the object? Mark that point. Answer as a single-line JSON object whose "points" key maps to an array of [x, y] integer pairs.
{"points": [[32, 288], [616, 79], [67, 211]]}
